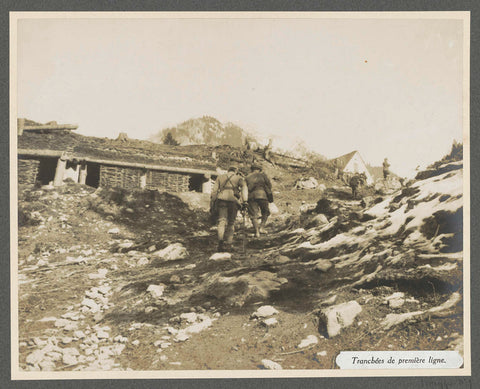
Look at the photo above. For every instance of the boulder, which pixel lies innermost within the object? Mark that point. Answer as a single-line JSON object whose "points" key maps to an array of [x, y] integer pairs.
{"points": [[270, 365], [323, 265], [338, 317], [308, 183], [265, 311], [172, 252], [308, 341], [319, 220], [221, 257], [156, 290]]}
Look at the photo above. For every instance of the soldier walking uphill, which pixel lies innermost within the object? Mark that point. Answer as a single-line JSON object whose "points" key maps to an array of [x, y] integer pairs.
{"points": [[229, 193], [259, 195]]}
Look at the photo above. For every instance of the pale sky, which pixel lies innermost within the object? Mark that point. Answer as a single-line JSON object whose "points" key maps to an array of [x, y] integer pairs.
{"points": [[385, 87]]}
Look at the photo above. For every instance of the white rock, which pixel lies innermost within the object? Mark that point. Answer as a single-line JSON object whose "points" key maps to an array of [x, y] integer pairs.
{"points": [[181, 337], [165, 345], [265, 311], [79, 334], [66, 340], [270, 365], [396, 303], [156, 290], [143, 261], [69, 359], [308, 341], [191, 317], [89, 303], [323, 265], [270, 322], [120, 339], [126, 245], [47, 365], [198, 327], [340, 316], [115, 230], [136, 342], [51, 318], [35, 357], [322, 353], [104, 289], [221, 257], [62, 322], [102, 334], [172, 252]]}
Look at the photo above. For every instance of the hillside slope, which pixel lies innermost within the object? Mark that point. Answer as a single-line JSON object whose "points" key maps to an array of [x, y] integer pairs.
{"points": [[139, 288]]}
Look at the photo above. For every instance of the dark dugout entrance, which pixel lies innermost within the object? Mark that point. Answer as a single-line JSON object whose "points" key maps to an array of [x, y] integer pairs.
{"points": [[93, 175], [46, 170], [195, 182]]}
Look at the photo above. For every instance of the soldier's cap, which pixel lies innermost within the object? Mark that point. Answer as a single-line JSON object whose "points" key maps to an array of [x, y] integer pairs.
{"points": [[256, 166]]}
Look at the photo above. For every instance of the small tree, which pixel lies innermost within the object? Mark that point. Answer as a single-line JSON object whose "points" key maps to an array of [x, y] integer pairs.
{"points": [[170, 140]]}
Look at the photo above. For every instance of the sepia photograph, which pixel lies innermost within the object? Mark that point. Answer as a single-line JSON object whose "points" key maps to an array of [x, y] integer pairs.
{"points": [[241, 194]]}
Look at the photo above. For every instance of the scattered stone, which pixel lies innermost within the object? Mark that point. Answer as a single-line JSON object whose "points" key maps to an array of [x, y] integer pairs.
{"points": [[62, 322], [115, 230], [308, 341], [79, 334], [190, 266], [69, 359], [323, 265], [156, 290], [143, 261], [181, 337], [175, 279], [172, 252], [191, 317], [330, 300], [270, 365], [66, 340], [101, 334], [89, 303], [120, 339], [319, 220], [221, 257], [46, 319], [265, 311], [322, 353], [136, 342], [125, 245], [271, 322], [149, 310], [339, 316], [35, 357]]}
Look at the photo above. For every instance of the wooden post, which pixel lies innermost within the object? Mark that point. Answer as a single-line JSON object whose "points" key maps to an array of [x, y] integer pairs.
{"points": [[82, 176], [62, 162], [207, 184], [143, 179]]}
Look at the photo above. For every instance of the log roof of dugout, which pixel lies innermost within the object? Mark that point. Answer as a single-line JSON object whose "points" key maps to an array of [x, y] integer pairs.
{"points": [[133, 152]]}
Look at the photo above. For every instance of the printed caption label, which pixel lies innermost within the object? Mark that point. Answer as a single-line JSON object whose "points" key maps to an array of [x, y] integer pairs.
{"points": [[399, 360]]}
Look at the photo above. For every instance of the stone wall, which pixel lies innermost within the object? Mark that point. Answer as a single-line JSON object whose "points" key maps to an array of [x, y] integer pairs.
{"points": [[27, 171], [130, 178]]}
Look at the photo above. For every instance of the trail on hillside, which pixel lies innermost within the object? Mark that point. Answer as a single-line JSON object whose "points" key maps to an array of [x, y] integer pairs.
{"points": [[118, 280]]}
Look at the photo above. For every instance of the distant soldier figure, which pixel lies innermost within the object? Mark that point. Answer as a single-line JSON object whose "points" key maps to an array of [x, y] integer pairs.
{"points": [[229, 193], [259, 195], [386, 169], [267, 153], [355, 182]]}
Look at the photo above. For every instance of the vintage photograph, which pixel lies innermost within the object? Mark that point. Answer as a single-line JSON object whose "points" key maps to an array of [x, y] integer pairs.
{"points": [[206, 192]]}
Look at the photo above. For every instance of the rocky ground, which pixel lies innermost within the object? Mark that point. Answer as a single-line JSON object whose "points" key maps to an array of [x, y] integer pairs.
{"points": [[114, 280]]}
